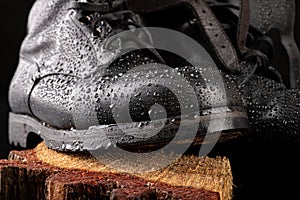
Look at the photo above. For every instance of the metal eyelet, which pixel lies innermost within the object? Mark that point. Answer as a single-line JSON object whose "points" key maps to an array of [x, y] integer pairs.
{"points": [[96, 34], [86, 20]]}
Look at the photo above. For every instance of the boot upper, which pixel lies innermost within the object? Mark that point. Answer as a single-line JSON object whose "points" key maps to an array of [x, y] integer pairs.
{"points": [[67, 78]]}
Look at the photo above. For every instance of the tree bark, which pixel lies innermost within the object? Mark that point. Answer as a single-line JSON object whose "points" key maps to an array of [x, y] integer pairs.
{"points": [[26, 176]]}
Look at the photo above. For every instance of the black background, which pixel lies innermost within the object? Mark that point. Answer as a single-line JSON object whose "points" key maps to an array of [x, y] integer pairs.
{"points": [[262, 169]]}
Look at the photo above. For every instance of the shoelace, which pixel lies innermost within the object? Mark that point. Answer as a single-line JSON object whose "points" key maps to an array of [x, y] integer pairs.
{"points": [[261, 60], [107, 19]]}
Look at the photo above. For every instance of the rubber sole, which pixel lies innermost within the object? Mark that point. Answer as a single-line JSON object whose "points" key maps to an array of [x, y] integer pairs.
{"points": [[105, 136]]}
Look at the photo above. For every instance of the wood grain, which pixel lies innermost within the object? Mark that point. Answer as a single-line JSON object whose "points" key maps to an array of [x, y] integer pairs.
{"points": [[46, 174]]}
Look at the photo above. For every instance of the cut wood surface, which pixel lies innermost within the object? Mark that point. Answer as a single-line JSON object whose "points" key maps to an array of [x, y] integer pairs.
{"points": [[46, 174]]}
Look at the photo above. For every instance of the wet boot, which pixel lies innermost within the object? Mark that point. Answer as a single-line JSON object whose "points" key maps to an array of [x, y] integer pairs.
{"points": [[272, 108], [78, 89]]}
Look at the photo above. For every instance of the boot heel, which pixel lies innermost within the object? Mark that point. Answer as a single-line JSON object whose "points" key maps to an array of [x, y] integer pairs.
{"points": [[19, 129]]}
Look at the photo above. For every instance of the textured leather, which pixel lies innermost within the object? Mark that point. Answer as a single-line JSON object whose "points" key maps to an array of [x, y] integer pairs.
{"points": [[273, 109], [280, 15], [243, 26], [66, 79], [207, 21]]}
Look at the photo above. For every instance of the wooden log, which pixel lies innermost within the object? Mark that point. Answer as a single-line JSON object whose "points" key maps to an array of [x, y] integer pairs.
{"points": [[21, 180], [45, 174]]}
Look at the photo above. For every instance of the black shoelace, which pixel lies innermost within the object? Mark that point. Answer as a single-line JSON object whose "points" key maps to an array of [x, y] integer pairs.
{"points": [[259, 58], [108, 18]]}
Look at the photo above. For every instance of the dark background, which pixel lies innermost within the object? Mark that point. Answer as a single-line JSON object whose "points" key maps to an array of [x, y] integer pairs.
{"points": [[13, 29], [262, 169]]}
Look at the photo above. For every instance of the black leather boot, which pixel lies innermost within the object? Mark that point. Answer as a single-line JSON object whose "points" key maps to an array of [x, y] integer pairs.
{"points": [[272, 108], [74, 83]]}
